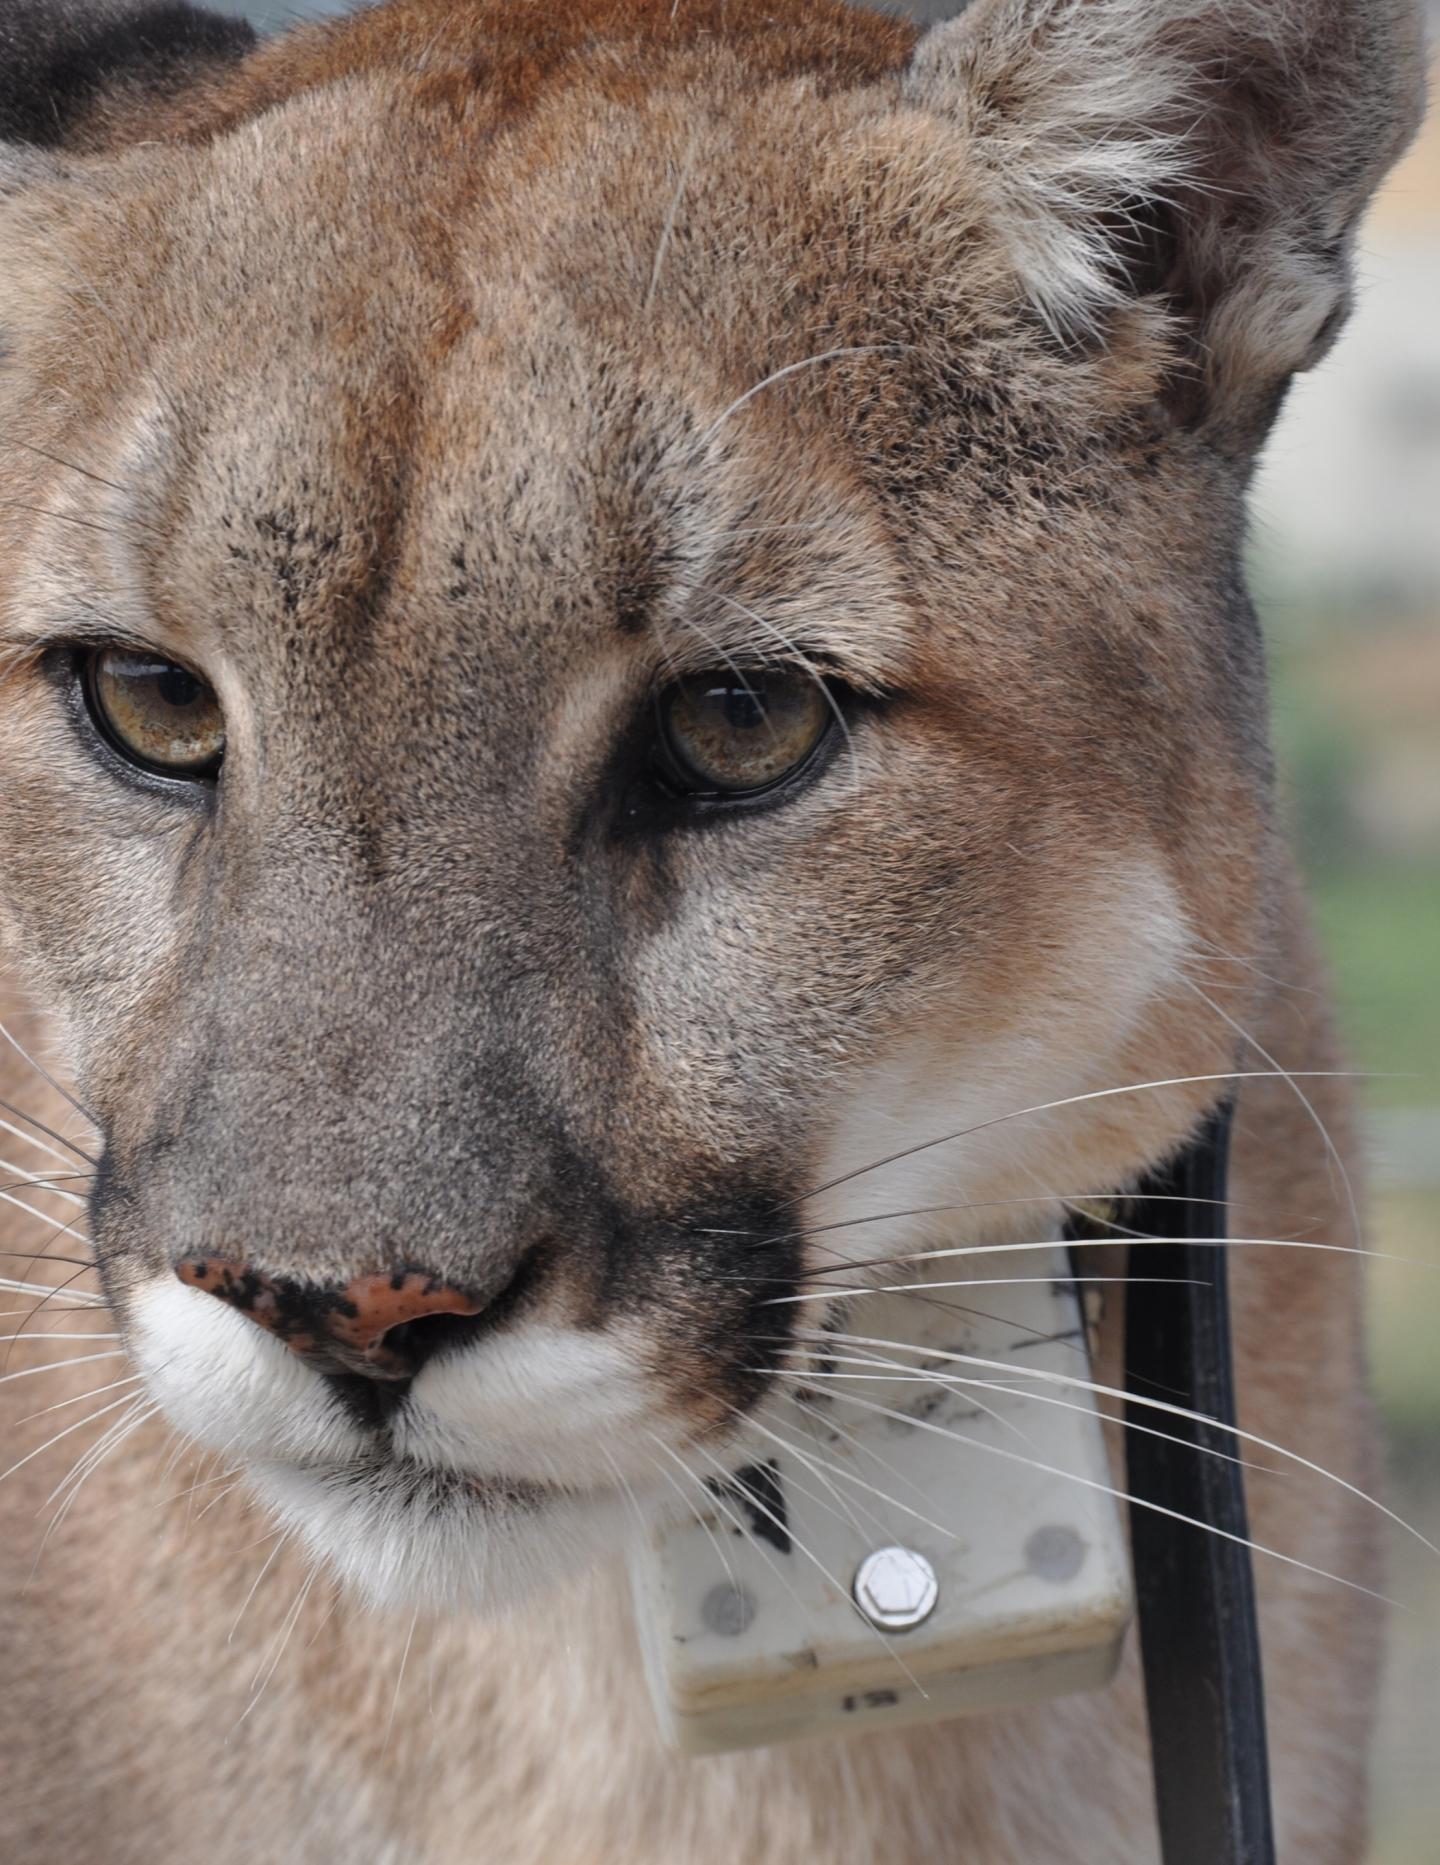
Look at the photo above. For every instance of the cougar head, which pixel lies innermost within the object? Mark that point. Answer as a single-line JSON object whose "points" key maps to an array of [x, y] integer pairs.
{"points": [[621, 629]]}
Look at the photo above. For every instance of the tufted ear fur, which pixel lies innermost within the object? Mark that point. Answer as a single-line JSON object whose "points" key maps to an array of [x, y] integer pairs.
{"points": [[77, 74], [1215, 153]]}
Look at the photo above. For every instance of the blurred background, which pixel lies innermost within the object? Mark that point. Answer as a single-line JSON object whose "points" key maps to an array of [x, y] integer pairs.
{"points": [[1346, 565], [1345, 560]]}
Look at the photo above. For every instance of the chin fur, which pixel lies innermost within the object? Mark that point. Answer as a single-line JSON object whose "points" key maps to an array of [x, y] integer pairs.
{"points": [[416, 1538]]}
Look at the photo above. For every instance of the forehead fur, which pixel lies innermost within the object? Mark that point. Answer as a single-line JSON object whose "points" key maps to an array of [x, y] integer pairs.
{"points": [[636, 340]]}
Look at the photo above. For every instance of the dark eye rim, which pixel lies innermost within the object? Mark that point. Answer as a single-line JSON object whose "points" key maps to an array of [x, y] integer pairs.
{"points": [[83, 658], [678, 782]]}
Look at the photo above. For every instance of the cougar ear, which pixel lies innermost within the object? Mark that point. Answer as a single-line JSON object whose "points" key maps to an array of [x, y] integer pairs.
{"points": [[79, 74], [1216, 153]]}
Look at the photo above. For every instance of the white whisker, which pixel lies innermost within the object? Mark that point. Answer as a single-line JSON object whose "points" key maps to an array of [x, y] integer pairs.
{"points": [[779, 375], [892, 1370], [399, 1678], [49, 1132], [78, 1425], [54, 1226], [755, 1502], [281, 1537], [842, 1289], [667, 230], [79, 1298], [28, 1139], [1048, 1377], [698, 1512], [77, 1398], [42, 1181], [54, 1366], [1336, 1163], [1120, 1495], [849, 1476], [1084, 1243], [1047, 1107], [46, 1076]]}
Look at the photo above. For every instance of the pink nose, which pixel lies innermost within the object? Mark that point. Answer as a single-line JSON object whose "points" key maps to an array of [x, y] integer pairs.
{"points": [[343, 1328]]}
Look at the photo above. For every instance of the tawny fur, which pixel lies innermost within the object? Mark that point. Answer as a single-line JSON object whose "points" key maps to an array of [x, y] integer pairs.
{"points": [[440, 382]]}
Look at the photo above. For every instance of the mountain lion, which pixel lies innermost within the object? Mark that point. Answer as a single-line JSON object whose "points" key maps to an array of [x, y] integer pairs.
{"points": [[622, 623]]}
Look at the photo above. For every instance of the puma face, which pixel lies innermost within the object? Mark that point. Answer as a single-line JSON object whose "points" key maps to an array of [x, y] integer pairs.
{"points": [[606, 659]]}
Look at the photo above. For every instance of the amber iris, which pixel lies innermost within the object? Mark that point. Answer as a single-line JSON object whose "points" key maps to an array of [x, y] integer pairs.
{"points": [[155, 712], [728, 734]]}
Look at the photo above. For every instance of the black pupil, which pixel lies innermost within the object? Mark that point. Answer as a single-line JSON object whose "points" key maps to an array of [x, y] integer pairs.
{"points": [[744, 710], [176, 687]]}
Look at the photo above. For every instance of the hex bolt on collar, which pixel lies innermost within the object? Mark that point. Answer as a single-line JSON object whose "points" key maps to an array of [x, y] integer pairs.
{"points": [[895, 1588]]}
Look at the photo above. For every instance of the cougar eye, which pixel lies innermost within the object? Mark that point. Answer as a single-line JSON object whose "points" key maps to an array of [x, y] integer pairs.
{"points": [[731, 733], [155, 712]]}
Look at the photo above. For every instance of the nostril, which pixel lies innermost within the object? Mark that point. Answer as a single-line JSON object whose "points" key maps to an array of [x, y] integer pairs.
{"points": [[387, 1317], [380, 1327], [416, 1341], [373, 1325]]}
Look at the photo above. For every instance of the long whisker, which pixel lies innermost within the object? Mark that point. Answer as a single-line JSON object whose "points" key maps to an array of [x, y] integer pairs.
{"points": [[95, 1454], [220, 1495], [45, 1182], [1332, 1150], [77, 1298], [46, 1076], [65, 1432], [85, 1467], [849, 1476], [1047, 1107], [63, 1287], [857, 1444], [49, 1132], [78, 1398], [26, 1314], [1106, 1489], [624, 1482], [697, 1512], [45, 1256], [716, 1499], [28, 1139], [65, 518], [794, 1450], [53, 1338], [801, 660], [815, 1561], [799, 1234], [779, 375], [1046, 1376], [56, 1229], [964, 1282], [399, 1679], [282, 1536], [1086, 1243], [191, 1489], [17, 1337], [839, 1514], [12, 440], [667, 230], [892, 1371], [81, 1359], [269, 1663]]}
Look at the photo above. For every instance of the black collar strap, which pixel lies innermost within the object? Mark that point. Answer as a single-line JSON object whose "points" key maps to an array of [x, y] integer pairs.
{"points": [[1198, 1636]]}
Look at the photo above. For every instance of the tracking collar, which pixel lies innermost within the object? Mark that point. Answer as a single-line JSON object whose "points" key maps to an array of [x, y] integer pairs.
{"points": [[1001, 1571], [1195, 1592]]}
